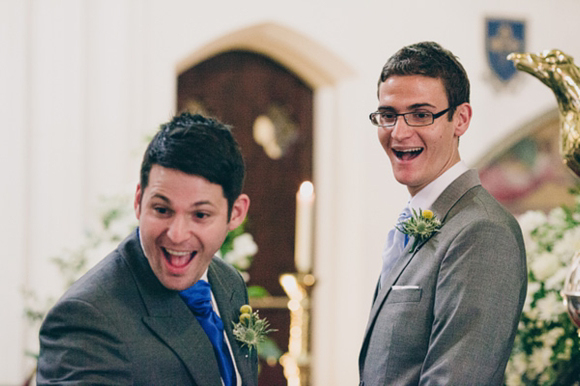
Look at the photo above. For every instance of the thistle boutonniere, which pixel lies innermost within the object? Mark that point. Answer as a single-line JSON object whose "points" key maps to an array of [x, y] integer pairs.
{"points": [[251, 329], [421, 226]]}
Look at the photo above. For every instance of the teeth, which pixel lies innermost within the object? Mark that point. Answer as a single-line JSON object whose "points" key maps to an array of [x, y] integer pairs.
{"points": [[177, 253], [409, 150], [178, 259]]}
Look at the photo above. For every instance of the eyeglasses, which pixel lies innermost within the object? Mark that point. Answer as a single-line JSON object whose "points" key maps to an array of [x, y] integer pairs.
{"points": [[414, 118]]}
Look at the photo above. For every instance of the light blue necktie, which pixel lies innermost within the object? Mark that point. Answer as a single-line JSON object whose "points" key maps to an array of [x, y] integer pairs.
{"points": [[396, 243], [198, 299]]}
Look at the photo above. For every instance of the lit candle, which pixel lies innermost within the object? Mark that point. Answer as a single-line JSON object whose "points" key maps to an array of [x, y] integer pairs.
{"points": [[303, 237]]}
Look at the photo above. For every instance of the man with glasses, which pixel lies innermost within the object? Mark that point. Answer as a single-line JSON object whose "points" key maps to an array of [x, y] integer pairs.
{"points": [[449, 298]]}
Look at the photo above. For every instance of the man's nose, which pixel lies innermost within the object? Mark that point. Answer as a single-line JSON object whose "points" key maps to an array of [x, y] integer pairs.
{"points": [[401, 130], [179, 229]]}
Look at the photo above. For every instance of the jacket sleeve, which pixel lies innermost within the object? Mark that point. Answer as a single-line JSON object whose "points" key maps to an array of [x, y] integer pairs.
{"points": [[79, 345], [479, 297]]}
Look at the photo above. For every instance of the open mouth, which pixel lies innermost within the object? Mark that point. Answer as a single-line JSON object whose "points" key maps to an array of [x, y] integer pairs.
{"points": [[178, 259], [408, 154]]}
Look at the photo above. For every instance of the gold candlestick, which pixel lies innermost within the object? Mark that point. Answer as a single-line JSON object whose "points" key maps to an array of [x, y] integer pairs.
{"points": [[296, 362]]}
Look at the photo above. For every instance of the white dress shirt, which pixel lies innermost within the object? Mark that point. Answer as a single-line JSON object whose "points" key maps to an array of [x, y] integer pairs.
{"points": [[425, 198]]}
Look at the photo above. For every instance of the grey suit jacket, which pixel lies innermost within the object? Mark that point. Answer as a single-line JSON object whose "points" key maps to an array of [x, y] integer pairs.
{"points": [[448, 313], [119, 325]]}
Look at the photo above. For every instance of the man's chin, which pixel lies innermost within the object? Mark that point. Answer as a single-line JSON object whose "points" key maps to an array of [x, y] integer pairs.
{"points": [[176, 283], [404, 179]]}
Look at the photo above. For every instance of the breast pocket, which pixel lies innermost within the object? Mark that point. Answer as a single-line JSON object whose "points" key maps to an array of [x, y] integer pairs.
{"points": [[404, 294]]}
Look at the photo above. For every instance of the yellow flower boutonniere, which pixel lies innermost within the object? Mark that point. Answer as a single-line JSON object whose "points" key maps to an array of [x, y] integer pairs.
{"points": [[421, 226], [251, 329]]}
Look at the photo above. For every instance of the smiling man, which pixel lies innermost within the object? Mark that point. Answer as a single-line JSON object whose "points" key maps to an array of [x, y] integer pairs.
{"points": [[132, 319], [448, 302]]}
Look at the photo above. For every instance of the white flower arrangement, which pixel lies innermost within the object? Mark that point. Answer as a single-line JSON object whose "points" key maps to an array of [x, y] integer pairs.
{"points": [[547, 348], [239, 249], [243, 250]]}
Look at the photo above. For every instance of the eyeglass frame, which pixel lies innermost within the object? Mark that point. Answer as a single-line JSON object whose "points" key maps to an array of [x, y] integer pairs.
{"points": [[434, 116]]}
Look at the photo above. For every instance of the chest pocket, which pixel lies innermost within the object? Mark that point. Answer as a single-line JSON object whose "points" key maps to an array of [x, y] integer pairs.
{"points": [[404, 295]]}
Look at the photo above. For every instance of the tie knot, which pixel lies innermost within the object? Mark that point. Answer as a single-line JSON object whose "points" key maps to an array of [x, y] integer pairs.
{"points": [[405, 215], [198, 297]]}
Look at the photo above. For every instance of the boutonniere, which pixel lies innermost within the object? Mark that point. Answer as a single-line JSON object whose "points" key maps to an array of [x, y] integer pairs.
{"points": [[421, 226], [251, 329]]}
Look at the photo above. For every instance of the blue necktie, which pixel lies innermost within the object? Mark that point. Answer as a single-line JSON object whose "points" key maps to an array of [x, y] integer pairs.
{"points": [[396, 243], [198, 299]]}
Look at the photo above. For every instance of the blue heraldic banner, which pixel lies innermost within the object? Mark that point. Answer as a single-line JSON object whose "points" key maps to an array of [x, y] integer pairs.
{"points": [[502, 38]]}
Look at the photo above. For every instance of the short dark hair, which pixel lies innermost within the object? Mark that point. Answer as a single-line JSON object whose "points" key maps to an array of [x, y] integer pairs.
{"points": [[432, 60], [200, 146]]}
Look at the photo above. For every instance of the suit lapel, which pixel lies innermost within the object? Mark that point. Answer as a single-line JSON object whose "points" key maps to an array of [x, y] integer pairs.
{"points": [[441, 208], [396, 271], [170, 319], [188, 340], [224, 293]]}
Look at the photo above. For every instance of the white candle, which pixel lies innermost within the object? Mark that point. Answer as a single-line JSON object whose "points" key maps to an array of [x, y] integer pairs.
{"points": [[303, 236]]}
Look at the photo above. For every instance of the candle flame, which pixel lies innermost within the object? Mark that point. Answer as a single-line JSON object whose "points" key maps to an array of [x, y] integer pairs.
{"points": [[306, 189]]}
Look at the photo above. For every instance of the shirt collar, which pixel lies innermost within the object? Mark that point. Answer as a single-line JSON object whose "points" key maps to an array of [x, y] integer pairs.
{"points": [[425, 198]]}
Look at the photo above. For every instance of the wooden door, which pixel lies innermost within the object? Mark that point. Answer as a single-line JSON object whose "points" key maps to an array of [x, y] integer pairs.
{"points": [[270, 110]]}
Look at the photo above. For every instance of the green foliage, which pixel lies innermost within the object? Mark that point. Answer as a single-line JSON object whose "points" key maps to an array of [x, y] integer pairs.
{"points": [[256, 291]]}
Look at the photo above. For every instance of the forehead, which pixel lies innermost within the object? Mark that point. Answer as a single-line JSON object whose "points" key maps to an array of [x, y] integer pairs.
{"points": [[179, 186], [403, 91]]}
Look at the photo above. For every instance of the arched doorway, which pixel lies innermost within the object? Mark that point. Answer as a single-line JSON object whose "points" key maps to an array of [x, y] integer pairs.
{"points": [[270, 110]]}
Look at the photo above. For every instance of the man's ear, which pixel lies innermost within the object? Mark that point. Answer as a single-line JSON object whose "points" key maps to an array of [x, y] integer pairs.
{"points": [[239, 211], [137, 203], [462, 118]]}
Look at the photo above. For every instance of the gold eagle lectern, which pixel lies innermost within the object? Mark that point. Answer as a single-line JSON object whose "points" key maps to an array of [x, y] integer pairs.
{"points": [[558, 71]]}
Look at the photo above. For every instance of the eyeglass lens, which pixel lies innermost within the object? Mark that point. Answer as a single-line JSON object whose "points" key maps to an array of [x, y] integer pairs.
{"points": [[418, 118]]}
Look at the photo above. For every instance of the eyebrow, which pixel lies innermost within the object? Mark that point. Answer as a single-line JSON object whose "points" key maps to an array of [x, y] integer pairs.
{"points": [[168, 201], [412, 107], [161, 197]]}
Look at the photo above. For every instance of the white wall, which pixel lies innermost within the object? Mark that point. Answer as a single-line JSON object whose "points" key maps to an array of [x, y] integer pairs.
{"points": [[81, 83]]}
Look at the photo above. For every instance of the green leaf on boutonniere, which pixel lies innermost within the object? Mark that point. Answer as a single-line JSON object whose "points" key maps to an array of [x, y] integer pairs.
{"points": [[421, 226]]}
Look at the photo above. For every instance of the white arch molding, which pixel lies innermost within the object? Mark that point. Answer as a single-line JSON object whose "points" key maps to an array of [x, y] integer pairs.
{"points": [[323, 71], [312, 62]]}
